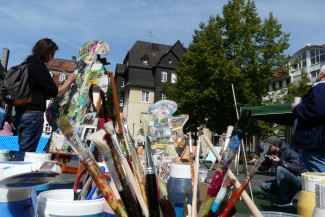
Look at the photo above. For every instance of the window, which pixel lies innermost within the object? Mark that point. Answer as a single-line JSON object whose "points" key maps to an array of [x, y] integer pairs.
{"points": [[145, 96], [51, 74], [122, 82], [273, 86], [174, 78], [315, 73], [287, 82], [121, 101], [162, 96], [48, 128], [302, 63], [163, 76], [170, 61], [316, 56], [280, 84], [62, 77]]}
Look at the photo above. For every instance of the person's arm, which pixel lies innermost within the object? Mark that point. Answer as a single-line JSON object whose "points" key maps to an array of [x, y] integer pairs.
{"points": [[265, 165], [291, 162], [63, 88]]}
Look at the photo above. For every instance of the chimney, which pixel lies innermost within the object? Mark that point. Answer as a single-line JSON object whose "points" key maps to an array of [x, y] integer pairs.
{"points": [[5, 58], [74, 61]]}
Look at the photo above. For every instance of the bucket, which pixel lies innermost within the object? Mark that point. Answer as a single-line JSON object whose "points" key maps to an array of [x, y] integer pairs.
{"points": [[108, 212], [4, 155], [306, 202], [278, 214], [38, 158], [60, 203], [203, 175], [178, 182], [319, 210]]}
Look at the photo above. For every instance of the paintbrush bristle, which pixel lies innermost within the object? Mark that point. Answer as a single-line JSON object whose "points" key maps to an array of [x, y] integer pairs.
{"points": [[145, 118], [109, 127], [98, 139], [64, 124]]}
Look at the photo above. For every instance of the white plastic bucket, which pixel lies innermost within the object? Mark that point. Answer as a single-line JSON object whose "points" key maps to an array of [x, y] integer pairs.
{"points": [[60, 203], [203, 175], [278, 214], [4, 155], [36, 157]]}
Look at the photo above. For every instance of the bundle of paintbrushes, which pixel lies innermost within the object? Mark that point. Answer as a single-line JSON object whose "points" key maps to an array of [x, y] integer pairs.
{"points": [[116, 148], [91, 165], [151, 182], [135, 158], [227, 156], [113, 163]]}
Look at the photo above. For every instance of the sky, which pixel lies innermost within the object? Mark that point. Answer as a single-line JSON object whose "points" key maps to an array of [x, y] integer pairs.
{"points": [[120, 23]]}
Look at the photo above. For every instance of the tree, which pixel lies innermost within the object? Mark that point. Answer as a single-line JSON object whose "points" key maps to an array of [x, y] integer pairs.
{"points": [[237, 49]]}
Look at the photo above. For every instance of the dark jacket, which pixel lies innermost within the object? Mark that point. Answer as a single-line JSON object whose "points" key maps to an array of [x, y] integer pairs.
{"points": [[289, 159], [41, 83], [310, 130]]}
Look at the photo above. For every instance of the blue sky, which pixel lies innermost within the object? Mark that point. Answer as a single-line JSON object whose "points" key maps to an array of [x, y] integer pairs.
{"points": [[72, 23]]}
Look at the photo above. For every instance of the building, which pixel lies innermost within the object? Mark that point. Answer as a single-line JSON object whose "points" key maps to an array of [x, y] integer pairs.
{"points": [[309, 59], [139, 79]]}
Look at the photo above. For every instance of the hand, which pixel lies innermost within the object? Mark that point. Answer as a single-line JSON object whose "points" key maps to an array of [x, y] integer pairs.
{"points": [[254, 161], [274, 159], [72, 78], [293, 105]]}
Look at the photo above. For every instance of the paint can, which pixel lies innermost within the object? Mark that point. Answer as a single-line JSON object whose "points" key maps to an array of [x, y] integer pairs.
{"points": [[178, 182], [306, 202], [4, 155], [319, 210], [60, 203], [203, 175], [38, 158], [17, 181]]}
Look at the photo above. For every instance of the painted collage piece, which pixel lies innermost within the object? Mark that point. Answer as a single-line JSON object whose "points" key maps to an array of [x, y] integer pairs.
{"points": [[75, 103], [164, 128], [165, 133]]}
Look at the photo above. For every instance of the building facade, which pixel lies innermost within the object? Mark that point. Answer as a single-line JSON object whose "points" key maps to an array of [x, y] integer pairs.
{"points": [[139, 79]]}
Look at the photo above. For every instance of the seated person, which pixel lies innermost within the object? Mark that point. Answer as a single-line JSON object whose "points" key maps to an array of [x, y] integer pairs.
{"points": [[288, 171]]}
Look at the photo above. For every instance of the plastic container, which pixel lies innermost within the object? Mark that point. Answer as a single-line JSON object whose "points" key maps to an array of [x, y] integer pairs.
{"points": [[17, 179], [178, 182], [278, 214], [108, 212], [38, 158], [203, 175], [319, 210], [306, 202], [60, 203], [4, 155]]}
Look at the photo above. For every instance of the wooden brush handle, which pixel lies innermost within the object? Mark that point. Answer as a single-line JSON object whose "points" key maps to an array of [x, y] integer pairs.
{"points": [[250, 204], [135, 187]]}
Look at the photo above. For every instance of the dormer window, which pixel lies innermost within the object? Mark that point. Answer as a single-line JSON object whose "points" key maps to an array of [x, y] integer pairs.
{"points": [[62, 77], [145, 59], [170, 61]]}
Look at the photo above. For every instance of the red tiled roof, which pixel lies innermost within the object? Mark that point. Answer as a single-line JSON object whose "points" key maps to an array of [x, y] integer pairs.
{"points": [[65, 65]]}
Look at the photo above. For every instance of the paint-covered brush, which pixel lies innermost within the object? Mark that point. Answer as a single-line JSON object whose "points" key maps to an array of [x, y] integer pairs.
{"points": [[196, 176], [151, 182], [185, 211], [118, 148], [191, 161], [98, 139], [135, 159], [91, 165]]}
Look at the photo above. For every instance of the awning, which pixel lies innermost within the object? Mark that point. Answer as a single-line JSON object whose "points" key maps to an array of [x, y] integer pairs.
{"points": [[279, 114]]}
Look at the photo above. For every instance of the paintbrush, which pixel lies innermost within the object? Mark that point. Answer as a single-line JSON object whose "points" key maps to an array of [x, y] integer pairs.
{"points": [[151, 182], [196, 176], [98, 139], [185, 212], [91, 165], [118, 148], [191, 162], [167, 208], [135, 159]]}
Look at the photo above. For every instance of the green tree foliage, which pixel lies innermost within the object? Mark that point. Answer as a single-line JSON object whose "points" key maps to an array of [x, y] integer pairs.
{"points": [[237, 48]]}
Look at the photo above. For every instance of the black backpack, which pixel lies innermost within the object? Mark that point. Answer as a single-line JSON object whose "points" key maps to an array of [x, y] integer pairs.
{"points": [[15, 89]]}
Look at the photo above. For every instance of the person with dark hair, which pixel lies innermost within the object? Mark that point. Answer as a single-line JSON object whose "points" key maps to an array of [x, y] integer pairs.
{"points": [[29, 118], [288, 171]]}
